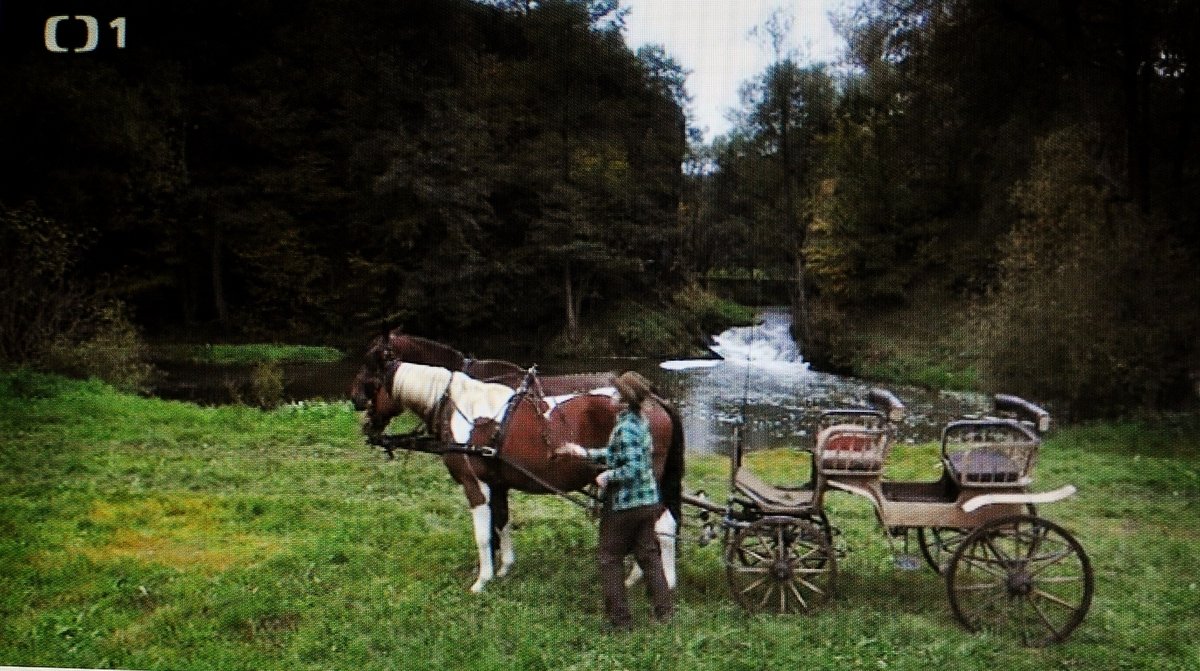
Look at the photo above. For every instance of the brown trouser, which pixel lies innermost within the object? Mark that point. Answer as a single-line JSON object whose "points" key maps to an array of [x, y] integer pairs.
{"points": [[622, 532]]}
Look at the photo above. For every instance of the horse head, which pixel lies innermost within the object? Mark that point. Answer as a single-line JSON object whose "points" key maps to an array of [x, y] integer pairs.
{"points": [[370, 376]]}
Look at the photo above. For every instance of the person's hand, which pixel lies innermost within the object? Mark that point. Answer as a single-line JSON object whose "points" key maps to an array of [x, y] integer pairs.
{"points": [[571, 450], [602, 479]]}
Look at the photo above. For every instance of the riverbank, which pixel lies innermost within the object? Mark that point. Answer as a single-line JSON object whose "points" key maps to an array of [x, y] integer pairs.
{"points": [[928, 345], [141, 533]]}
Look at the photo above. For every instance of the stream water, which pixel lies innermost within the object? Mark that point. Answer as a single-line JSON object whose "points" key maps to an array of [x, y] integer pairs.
{"points": [[760, 381]]}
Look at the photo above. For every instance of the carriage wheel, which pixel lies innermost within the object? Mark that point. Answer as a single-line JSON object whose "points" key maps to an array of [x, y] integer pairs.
{"points": [[1021, 576], [939, 543], [780, 565]]}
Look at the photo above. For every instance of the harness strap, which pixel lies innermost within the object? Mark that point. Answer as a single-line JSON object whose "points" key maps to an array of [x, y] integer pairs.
{"points": [[425, 443], [497, 441]]}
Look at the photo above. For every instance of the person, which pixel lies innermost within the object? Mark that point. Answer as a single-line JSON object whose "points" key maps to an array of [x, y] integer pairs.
{"points": [[631, 506]]}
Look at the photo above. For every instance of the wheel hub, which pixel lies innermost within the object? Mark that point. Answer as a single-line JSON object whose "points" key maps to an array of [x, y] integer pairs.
{"points": [[781, 569], [1020, 583]]}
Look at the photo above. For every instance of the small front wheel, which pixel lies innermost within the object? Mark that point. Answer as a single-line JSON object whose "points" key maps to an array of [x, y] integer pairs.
{"points": [[1021, 576], [780, 565]]}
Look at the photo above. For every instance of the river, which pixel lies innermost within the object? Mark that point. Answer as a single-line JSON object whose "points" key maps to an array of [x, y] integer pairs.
{"points": [[760, 381]]}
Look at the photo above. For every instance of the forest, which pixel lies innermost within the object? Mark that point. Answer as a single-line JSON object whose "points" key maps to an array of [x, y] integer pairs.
{"points": [[1024, 173]]}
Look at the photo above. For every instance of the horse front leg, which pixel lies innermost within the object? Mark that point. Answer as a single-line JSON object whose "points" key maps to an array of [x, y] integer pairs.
{"points": [[478, 496]]}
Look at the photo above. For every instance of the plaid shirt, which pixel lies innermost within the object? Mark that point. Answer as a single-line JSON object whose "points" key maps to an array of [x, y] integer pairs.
{"points": [[631, 479]]}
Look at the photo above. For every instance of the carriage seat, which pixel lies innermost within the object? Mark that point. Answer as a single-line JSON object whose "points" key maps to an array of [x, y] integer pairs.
{"points": [[984, 466], [772, 499], [851, 449]]}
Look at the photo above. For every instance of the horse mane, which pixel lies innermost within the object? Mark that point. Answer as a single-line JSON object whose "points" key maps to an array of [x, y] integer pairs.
{"points": [[447, 351]]}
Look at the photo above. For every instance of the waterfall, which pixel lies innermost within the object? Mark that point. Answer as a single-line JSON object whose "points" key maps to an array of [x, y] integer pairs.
{"points": [[767, 344]]}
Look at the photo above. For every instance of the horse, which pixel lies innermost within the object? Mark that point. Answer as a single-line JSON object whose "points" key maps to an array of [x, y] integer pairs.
{"points": [[528, 430]]}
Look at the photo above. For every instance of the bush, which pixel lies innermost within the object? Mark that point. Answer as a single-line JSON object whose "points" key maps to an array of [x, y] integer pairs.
{"points": [[108, 347], [38, 302], [266, 383]]}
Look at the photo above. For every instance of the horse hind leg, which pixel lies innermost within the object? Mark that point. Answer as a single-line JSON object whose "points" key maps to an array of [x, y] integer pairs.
{"points": [[665, 528]]}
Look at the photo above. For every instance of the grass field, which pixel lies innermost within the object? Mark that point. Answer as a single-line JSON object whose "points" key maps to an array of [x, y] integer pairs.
{"points": [[145, 534]]}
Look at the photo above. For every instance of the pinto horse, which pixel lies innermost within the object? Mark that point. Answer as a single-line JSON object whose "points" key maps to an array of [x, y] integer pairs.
{"points": [[526, 429]]}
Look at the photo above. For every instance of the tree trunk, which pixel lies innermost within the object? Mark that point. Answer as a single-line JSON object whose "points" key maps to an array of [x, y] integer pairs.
{"points": [[800, 318], [572, 307], [218, 285]]}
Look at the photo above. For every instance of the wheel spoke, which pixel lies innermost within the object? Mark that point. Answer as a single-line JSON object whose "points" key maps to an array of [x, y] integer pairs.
{"points": [[754, 585], [1045, 620], [799, 598], [991, 544], [984, 564], [979, 587], [1061, 579], [812, 587], [1050, 561], [766, 596], [1053, 598], [756, 570], [756, 555]]}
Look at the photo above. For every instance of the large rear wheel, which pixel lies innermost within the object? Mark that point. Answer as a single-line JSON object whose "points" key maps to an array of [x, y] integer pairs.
{"points": [[1020, 576]]}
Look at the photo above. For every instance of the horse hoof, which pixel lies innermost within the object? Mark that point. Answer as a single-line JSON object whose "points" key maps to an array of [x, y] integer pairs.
{"points": [[477, 588]]}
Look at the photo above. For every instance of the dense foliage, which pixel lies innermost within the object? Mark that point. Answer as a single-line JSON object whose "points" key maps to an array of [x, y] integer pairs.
{"points": [[322, 167], [1032, 166]]}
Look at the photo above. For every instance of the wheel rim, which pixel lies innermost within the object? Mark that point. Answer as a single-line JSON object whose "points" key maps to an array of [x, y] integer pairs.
{"points": [[1020, 576], [938, 545], [780, 566]]}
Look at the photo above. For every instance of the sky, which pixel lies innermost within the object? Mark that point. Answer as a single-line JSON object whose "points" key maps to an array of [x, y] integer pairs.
{"points": [[711, 38]]}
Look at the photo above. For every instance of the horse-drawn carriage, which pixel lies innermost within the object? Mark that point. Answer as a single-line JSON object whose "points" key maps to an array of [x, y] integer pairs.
{"points": [[1005, 567]]}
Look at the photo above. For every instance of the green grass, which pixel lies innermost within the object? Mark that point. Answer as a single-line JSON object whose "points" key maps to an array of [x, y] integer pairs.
{"points": [[247, 354], [147, 534]]}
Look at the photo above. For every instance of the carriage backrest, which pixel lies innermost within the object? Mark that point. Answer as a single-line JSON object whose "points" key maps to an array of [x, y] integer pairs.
{"points": [[989, 452], [852, 449]]}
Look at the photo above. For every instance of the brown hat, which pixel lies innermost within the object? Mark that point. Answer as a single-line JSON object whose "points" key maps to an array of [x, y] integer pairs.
{"points": [[632, 387]]}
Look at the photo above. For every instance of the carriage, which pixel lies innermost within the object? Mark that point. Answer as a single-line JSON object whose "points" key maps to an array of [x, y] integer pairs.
{"points": [[1006, 569]]}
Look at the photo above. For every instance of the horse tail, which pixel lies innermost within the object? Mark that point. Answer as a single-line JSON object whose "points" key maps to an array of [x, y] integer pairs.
{"points": [[671, 484]]}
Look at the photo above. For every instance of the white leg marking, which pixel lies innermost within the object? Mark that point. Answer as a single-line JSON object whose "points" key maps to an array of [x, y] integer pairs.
{"points": [[482, 517], [665, 528], [506, 550], [635, 574]]}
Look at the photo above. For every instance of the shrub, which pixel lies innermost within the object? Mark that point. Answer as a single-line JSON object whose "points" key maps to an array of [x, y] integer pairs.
{"points": [[108, 347], [37, 300], [266, 383]]}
